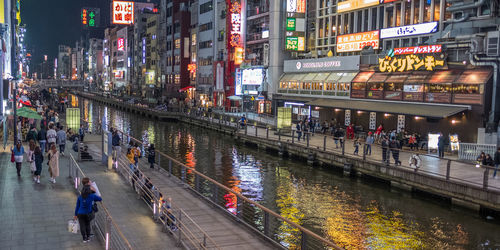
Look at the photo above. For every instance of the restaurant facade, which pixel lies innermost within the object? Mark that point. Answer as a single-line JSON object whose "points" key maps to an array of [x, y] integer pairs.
{"points": [[414, 89]]}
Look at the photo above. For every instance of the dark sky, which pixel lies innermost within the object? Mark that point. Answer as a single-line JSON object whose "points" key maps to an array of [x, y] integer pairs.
{"points": [[53, 22]]}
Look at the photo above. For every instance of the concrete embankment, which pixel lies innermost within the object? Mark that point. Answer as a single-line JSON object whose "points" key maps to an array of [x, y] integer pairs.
{"points": [[460, 193]]}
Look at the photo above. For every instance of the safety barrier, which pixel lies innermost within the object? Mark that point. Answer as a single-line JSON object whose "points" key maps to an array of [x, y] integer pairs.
{"points": [[470, 151], [261, 219], [104, 226]]}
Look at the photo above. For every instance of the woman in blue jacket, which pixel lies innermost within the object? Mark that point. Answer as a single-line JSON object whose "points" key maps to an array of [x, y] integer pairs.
{"points": [[18, 152], [83, 210]]}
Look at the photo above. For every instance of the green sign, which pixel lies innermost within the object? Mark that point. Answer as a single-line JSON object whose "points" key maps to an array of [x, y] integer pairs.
{"points": [[90, 17], [295, 43], [290, 24]]}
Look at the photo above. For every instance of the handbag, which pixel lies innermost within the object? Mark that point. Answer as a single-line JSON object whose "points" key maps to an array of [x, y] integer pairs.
{"points": [[95, 209], [73, 226], [12, 158]]}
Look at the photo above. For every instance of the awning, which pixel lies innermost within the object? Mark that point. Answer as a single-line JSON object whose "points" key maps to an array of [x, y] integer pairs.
{"points": [[378, 77], [334, 77], [474, 77], [292, 77], [309, 77], [418, 77], [444, 76], [321, 77], [186, 88], [293, 98], [363, 76], [424, 110], [397, 78], [347, 77]]}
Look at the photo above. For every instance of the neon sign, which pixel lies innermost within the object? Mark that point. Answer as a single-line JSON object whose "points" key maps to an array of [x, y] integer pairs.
{"points": [[236, 25], [418, 50], [123, 12], [357, 41], [121, 44], [295, 32], [409, 63]]}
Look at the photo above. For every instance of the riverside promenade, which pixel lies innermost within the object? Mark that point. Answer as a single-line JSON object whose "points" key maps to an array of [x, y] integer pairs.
{"points": [[463, 183], [35, 216]]}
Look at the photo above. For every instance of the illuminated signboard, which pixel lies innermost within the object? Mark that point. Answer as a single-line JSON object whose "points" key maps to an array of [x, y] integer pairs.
{"points": [[121, 44], [123, 12], [238, 87], [295, 43], [409, 30], [2, 11], [143, 50], [236, 27], [239, 55], [295, 31], [417, 50], [411, 63], [357, 41], [253, 76], [90, 17], [355, 4]]}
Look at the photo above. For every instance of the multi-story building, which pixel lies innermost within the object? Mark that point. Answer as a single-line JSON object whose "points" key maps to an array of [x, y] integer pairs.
{"points": [[152, 86], [95, 61], [407, 65], [63, 66], [220, 53]]}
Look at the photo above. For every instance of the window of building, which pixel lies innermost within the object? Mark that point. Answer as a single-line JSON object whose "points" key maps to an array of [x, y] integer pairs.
{"points": [[359, 86], [177, 27], [177, 43], [427, 11], [416, 12], [177, 79], [205, 26], [436, 10], [394, 86], [177, 60], [205, 44], [193, 39], [206, 7]]}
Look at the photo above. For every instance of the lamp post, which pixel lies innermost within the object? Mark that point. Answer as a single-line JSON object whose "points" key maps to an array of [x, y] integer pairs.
{"points": [[14, 63]]}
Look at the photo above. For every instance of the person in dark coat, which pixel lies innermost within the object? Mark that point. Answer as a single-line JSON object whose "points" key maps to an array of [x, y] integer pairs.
{"points": [[299, 131], [38, 163], [385, 147], [497, 162], [394, 146], [151, 155], [441, 144], [83, 210]]}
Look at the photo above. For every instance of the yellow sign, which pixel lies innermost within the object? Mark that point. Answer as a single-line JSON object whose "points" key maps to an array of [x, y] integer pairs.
{"points": [[350, 5], [409, 63], [284, 118], [2, 12], [357, 41]]}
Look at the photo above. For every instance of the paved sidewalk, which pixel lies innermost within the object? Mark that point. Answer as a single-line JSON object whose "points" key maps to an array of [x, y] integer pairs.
{"points": [[35, 216]]}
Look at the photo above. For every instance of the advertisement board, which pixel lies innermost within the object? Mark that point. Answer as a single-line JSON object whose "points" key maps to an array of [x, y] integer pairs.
{"points": [[90, 17], [357, 41], [123, 12], [284, 120], [238, 87], [253, 76], [120, 44], [409, 30], [341, 63], [295, 25], [404, 63], [424, 49], [351, 5], [73, 118]]}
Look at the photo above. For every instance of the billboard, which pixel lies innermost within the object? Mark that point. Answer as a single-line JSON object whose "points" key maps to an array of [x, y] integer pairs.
{"points": [[123, 12], [90, 17], [409, 30], [418, 50], [120, 43], [350, 5], [253, 76], [238, 87], [357, 41], [295, 23]]}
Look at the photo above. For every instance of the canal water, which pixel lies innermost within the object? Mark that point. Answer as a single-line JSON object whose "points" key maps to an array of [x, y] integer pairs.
{"points": [[354, 213]]}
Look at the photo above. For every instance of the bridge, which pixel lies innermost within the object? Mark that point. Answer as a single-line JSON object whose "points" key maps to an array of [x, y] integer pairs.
{"points": [[58, 83]]}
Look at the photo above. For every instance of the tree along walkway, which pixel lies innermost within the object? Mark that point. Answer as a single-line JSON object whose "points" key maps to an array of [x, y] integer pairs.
{"points": [[432, 165], [224, 231], [35, 216]]}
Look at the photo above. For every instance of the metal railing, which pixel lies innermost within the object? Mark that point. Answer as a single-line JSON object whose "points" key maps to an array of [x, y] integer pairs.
{"points": [[470, 151], [263, 220], [173, 219], [104, 226]]}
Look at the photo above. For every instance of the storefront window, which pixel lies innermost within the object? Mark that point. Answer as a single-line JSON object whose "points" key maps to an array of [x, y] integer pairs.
{"points": [[413, 88], [376, 86], [394, 86], [359, 86], [467, 89], [439, 88], [330, 86]]}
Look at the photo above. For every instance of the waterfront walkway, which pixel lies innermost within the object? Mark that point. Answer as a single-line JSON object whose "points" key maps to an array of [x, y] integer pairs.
{"points": [[35, 216], [224, 231]]}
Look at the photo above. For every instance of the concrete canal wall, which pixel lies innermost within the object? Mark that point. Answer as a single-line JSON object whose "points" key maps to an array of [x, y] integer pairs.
{"points": [[471, 196]]}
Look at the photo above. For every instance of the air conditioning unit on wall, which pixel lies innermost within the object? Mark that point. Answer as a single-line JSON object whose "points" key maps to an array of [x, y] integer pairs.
{"points": [[493, 44]]}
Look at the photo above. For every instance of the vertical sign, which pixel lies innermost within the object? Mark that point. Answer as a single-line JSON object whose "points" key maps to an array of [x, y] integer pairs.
{"points": [[238, 86], [236, 33], [295, 31], [90, 17], [373, 121], [121, 44], [123, 12], [2, 12], [401, 123], [347, 117]]}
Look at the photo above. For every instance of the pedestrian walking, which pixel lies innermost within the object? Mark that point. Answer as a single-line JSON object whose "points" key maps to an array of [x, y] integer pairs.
{"points": [[151, 155], [38, 163], [412, 141], [378, 133], [497, 162], [31, 158], [53, 162], [369, 142], [32, 134], [84, 211], [115, 142], [350, 131], [61, 139], [131, 159], [337, 136], [385, 147], [18, 152], [356, 146], [81, 132], [299, 131], [394, 146], [42, 138]]}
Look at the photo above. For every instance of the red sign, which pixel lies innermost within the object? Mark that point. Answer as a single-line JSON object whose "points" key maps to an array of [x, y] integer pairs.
{"points": [[121, 44], [236, 25], [123, 12], [425, 49], [84, 16]]}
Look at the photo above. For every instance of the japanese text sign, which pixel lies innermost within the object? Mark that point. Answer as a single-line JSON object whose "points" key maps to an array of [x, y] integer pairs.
{"points": [[297, 6], [236, 39], [410, 63], [123, 12], [357, 41], [425, 49], [350, 5], [409, 30], [121, 44]]}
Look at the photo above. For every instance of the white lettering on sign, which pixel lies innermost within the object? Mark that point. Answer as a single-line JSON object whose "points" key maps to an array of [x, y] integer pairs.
{"points": [[409, 30]]}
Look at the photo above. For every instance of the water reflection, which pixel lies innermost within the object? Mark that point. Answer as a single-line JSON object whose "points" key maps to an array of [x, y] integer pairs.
{"points": [[353, 214]]}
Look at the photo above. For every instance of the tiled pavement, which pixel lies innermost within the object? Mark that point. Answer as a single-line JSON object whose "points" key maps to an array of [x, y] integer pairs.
{"points": [[35, 216]]}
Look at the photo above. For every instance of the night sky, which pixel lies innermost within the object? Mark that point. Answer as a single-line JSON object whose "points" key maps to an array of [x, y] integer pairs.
{"points": [[53, 22]]}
